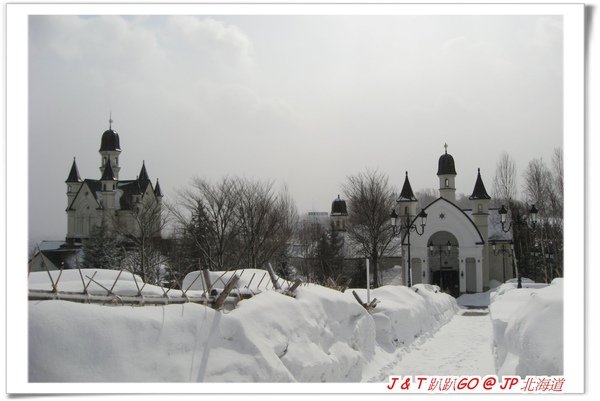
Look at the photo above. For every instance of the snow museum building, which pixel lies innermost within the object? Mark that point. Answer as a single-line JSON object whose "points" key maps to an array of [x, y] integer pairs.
{"points": [[108, 199], [460, 250]]}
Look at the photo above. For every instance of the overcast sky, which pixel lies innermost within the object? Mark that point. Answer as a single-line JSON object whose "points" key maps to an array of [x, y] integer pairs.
{"points": [[303, 100]]}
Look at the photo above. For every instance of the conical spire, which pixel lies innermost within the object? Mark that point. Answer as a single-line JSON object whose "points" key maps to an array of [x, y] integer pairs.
{"points": [[157, 191], [407, 195], [108, 174], [479, 191], [143, 176], [73, 174]]}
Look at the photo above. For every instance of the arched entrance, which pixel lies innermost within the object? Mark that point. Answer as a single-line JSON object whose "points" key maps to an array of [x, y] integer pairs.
{"points": [[443, 262]]}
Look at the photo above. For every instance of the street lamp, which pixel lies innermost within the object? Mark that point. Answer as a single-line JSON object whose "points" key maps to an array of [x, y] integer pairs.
{"points": [[440, 251], [532, 217], [518, 222], [408, 226], [504, 252]]}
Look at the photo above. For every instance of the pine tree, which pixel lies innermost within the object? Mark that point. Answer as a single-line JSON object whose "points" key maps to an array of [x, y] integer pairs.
{"points": [[101, 250]]}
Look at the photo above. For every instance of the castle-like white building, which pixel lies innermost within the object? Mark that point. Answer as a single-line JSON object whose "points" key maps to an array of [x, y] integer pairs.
{"points": [[120, 204], [462, 250]]}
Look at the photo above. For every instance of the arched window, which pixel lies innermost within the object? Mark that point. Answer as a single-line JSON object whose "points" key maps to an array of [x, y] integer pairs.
{"points": [[446, 183], [405, 209], [479, 208]]}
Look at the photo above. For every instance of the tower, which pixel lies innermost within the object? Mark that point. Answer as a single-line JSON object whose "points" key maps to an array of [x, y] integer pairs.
{"points": [[480, 205], [407, 202], [158, 192], [446, 174], [339, 214], [109, 185], [110, 149], [73, 182]]}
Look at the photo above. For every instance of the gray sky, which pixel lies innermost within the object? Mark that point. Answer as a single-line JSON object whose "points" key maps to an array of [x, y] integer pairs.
{"points": [[303, 100]]}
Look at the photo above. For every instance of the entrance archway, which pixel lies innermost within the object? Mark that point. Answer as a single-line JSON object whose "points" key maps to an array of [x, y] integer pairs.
{"points": [[443, 262]]}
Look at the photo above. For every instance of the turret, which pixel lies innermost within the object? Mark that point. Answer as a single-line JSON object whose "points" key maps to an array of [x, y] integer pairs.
{"points": [[73, 182], [143, 178], [407, 202], [339, 214], [110, 149], [447, 173], [158, 192], [480, 201], [109, 186]]}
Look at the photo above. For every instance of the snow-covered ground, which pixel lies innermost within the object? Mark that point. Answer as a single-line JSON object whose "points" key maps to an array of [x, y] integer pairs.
{"points": [[321, 335]]}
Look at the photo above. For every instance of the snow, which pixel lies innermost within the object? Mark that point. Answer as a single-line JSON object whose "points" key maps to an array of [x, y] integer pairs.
{"points": [[464, 345], [528, 328], [321, 335]]}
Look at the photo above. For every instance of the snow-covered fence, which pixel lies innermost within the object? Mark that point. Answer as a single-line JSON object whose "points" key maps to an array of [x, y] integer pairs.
{"points": [[121, 287]]}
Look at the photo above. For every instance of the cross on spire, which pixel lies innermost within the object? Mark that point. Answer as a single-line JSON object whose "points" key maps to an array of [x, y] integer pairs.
{"points": [[110, 120], [446, 148]]}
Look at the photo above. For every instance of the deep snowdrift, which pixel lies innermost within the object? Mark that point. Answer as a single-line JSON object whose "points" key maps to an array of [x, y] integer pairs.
{"points": [[322, 335], [528, 328]]}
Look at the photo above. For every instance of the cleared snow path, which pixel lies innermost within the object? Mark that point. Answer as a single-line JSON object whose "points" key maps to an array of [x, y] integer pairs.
{"points": [[461, 347]]}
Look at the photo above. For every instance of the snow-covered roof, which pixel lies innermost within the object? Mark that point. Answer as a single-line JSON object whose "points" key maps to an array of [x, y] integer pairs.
{"points": [[50, 245]]}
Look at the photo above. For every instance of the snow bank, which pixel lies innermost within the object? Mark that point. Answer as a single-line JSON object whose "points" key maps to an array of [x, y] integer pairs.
{"points": [[322, 335], [404, 314], [528, 328]]}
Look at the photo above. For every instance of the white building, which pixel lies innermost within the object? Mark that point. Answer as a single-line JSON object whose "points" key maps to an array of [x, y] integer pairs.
{"points": [[118, 203], [456, 247]]}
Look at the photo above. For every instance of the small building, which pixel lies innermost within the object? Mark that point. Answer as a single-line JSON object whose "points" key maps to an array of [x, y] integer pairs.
{"points": [[52, 255], [456, 248]]}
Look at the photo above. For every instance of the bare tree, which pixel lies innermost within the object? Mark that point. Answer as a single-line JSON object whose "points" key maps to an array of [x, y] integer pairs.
{"points": [[307, 236], [505, 180], [207, 216], [557, 192], [142, 235], [266, 222], [426, 196], [370, 201], [542, 189]]}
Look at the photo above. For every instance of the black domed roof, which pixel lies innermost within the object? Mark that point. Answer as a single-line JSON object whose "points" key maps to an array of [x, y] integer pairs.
{"points": [[446, 164], [338, 207], [110, 141]]}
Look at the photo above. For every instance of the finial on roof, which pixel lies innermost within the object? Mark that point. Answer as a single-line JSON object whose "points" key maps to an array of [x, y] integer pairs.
{"points": [[478, 170], [406, 172], [446, 148], [110, 120]]}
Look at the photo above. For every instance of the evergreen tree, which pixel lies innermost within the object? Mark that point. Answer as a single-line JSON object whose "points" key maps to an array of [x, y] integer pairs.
{"points": [[329, 256], [101, 250]]}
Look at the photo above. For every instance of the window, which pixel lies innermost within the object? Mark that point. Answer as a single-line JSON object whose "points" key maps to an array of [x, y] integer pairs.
{"points": [[480, 208], [405, 209], [446, 183]]}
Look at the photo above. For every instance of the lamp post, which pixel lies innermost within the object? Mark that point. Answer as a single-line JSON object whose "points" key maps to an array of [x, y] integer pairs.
{"points": [[518, 222], [440, 251], [504, 252], [408, 226]]}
